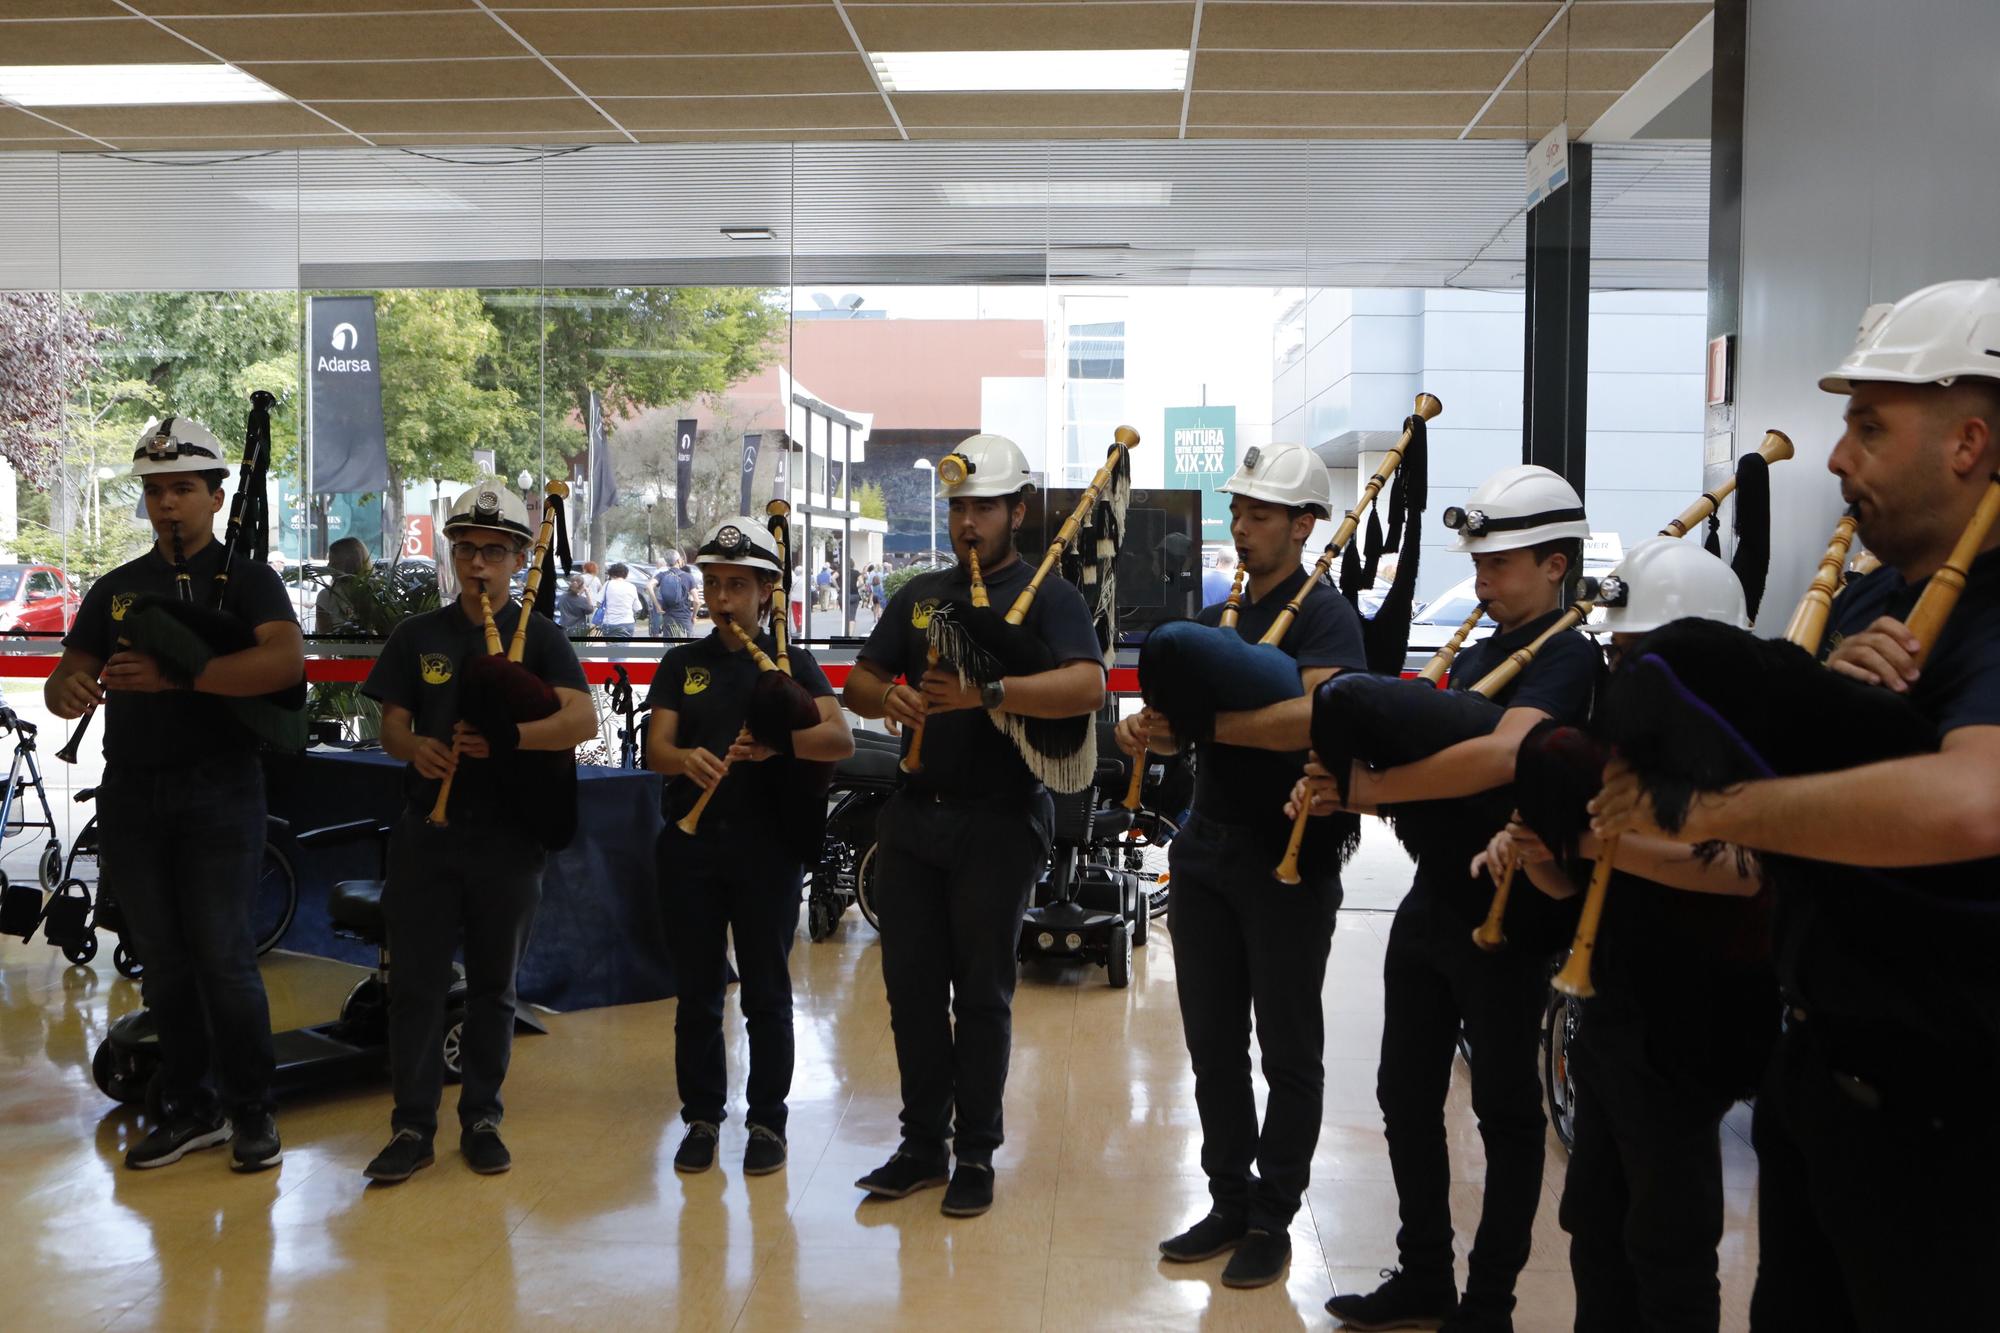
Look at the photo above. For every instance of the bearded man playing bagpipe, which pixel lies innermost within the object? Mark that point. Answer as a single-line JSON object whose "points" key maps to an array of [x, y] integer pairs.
{"points": [[1874, 1129], [490, 789], [966, 836], [181, 806]]}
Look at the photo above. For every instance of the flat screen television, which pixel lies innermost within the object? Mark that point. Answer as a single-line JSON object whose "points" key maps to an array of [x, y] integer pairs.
{"points": [[1159, 560]]}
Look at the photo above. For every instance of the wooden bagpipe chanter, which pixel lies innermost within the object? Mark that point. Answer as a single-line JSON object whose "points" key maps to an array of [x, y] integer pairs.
{"points": [[183, 633], [983, 645]]}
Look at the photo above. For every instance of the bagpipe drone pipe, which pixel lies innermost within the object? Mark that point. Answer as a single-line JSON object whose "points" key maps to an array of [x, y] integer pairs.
{"points": [[983, 646], [497, 693], [1189, 672], [183, 635]]}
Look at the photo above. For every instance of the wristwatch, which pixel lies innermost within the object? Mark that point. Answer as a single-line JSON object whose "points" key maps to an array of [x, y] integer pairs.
{"points": [[992, 695]]}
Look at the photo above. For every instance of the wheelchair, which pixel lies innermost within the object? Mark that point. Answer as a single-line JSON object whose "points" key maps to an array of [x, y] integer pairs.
{"points": [[843, 876]]}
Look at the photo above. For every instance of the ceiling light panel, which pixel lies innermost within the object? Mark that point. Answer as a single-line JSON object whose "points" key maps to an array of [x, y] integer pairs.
{"points": [[131, 85]]}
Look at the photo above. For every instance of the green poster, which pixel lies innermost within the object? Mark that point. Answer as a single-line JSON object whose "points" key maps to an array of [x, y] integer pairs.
{"points": [[335, 517], [1200, 454]]}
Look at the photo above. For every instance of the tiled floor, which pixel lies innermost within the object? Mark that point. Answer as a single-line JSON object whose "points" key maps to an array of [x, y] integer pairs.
{"points": [[594, 1230]]}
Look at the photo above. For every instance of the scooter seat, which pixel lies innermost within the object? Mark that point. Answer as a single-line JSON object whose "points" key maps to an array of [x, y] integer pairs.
{"points": [[355, 906], [1111, 822]]}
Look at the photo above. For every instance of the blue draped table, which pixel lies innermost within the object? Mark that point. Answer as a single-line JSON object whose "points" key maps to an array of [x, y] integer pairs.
{"points": [[600, 936]]}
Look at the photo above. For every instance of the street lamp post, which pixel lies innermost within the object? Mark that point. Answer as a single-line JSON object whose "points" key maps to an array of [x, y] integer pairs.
{"points": [[652, 497], [925, 464]]}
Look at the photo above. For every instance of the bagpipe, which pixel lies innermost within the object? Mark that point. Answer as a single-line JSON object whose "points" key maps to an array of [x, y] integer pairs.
{"points": [[1232, 607], [184, 636], [983, 646], [1189, 672], [779, 705], [1385, 722], [496, 693]]}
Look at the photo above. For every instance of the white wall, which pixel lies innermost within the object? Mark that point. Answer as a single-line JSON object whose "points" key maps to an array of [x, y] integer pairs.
{"points": [[1871, 167]]}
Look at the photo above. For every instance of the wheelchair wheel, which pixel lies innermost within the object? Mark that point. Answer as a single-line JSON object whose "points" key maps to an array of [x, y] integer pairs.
{"points": [[127, 962], [864, 888], [454, 1043], [820, 917], [1559, 1024], [277, 900], [50, 867], [83, 950], [1119, 964]]}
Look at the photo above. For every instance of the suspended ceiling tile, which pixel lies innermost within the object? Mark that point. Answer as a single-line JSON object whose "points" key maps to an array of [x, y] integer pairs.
{"points": [[1333, 72], [662, 114], [747, 136], [517, 6], [124, 41], [661, 76], [1116, 132], [1527, 134], [772, 30], [517, 117], [1318, 132], [1591, 71], [370, 81], [173, 9], [236, 142], [1003, 27], [1518, 105], [1334, 109], [1228, 25], [1621, 25], [60, 9], [189, 122], [1038, 110], [350, 36], [20, 125]]}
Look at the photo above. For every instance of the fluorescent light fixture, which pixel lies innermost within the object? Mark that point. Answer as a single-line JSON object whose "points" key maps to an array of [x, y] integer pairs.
{"points": [[1030, 71], [750, 233], [131, 85], [1057, 194]]}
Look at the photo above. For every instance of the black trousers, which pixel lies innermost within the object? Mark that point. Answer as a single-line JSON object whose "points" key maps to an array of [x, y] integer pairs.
{"points": [[954, 881], [1874, 1209], [1247, 945], [1434, 978], [480, 882], [1643, 1199], [742, 883], [182, 848]]}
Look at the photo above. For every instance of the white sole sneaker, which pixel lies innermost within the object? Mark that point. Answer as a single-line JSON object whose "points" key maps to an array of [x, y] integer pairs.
{"points": [[211, 1139]]}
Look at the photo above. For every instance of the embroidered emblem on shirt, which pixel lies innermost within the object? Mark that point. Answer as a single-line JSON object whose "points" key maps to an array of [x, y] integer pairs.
{"points": [[696, 680], [920, 613], [121, 602], [436, 668]]}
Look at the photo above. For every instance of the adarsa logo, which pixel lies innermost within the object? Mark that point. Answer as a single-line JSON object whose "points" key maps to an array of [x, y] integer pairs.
{"points": [[345, 336]]}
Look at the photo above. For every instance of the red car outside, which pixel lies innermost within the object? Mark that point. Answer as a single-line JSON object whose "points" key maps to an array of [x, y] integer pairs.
{"points": [[36, 599]]}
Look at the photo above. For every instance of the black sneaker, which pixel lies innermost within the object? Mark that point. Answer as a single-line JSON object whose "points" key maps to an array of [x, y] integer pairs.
{"points": [[1207, 1238], [971, 1190], [765, 1153], [1261, 1258], [901, 1176], [256, 1147], [1404, 1300], [181, 1133], [697, 1150], [483, 1150], [406, 1154]]}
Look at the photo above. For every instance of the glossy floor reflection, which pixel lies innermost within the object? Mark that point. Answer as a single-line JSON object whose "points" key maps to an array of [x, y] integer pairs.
{"points": [[594, 1230]]}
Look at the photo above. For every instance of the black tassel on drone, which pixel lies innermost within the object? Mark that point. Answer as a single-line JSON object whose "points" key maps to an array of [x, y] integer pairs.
{"points": [[1752, 525], [1371, 550], [1386, 636]]}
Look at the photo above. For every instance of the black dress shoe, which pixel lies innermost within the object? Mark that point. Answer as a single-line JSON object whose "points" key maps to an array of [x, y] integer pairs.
{"points": [[764, 1153], [1207, 1238], [483, 1150], [970, 1192], [1404, 1300], [697, 1151], [902, 1176], [408, 1153], [1261, 1258]]}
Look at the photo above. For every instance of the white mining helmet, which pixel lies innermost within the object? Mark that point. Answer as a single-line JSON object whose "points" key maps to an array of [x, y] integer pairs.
{"points": [[1665, 579], [177, 444], [491, 504], [1934, 336], [984, 466], [1524, 505], [1283, 474], [740, 540]]}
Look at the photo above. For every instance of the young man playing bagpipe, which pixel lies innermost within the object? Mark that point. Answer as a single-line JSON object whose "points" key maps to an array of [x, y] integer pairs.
{"points": [[1683, 1009], [469, 863], [1524, 528], [757, 741], [1244, 944], [181, 807], [965, 838], [1874, 1127]]}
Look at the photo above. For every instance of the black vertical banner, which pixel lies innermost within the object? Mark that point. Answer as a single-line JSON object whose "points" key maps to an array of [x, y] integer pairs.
{"points": [[349, 453], [683, 466], [750, 443]]}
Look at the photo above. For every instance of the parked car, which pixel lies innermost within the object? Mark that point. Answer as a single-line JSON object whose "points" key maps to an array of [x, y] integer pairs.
{"points": [[36, 599]]}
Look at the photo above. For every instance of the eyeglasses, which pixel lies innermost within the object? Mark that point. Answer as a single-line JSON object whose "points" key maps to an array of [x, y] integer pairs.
{"points": [[493, 552]]}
